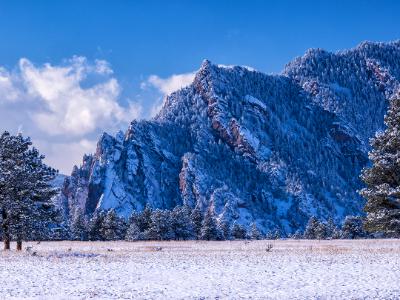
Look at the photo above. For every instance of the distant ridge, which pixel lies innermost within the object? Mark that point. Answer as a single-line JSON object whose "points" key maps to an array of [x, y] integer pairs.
{"points": [[274, 149]]}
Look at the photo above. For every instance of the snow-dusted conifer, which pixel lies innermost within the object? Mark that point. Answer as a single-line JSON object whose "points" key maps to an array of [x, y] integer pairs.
{"points": [[160, 227], [79, 226], [238, 231], [352, 228], [133, 233], [209, 227], [112, 227], [224, 229], [197, 220], [255, 234], [25, 188], [315, 229], [382, 179], [94, 226], [181, 223]]}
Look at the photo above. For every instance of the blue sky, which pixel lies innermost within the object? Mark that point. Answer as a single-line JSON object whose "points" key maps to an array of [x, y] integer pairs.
{"points": [[125, 52]]}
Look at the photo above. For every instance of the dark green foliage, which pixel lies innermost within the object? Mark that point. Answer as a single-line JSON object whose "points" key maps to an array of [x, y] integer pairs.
{"points": [[209, 227], [160, 226], [79, 227], [181, 223], [94, 226], [352, 228], [238, 231], [315, 229], [224, 229], [382, 179], [25, 188], [197, 220], [112, 227], [255, 234]]}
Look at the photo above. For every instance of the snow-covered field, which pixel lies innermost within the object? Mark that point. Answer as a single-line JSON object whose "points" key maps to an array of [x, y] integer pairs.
{"points": [[362, 269]]}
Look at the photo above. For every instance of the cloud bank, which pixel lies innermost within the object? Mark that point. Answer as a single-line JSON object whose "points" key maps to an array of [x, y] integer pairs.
{"points": [[63, 107]]}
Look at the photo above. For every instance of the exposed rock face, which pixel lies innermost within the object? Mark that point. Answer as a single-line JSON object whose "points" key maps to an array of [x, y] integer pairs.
{"points": [[271, 149]]}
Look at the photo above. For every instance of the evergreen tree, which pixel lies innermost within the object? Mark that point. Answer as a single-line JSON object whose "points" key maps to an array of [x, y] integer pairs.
{"points": [[331, 230], [112, 227], [94, 226], [382, 179], [143, 220], [297, 235], [79, 226], [255, 234], [315, 229], [181, 223], [197, 220], [224, 229], [238, 231], [209, 227], [352, 228], [25, 188], [160, 227], [133, 233]]}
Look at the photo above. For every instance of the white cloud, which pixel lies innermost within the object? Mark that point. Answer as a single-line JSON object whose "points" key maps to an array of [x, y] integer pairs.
{"points": [[164, 87], [65, 107], [70, 108], [170, 84]]}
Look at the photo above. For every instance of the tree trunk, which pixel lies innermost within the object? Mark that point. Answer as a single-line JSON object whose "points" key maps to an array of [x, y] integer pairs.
{"points": [[6, 230], [19, 245], [6, 243]]}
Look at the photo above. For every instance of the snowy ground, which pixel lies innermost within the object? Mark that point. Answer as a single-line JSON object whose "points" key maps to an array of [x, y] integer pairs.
{"points": [[363, 269]]}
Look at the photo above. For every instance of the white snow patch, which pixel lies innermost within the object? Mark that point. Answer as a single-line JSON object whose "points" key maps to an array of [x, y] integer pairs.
{"points": [[292, 269]]}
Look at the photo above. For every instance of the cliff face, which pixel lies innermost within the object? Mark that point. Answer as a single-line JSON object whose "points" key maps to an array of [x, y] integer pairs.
{"points": [[271, 149]]}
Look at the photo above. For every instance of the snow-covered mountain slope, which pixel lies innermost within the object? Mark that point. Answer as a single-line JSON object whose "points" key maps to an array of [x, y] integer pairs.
{"points": [[274, 149]]}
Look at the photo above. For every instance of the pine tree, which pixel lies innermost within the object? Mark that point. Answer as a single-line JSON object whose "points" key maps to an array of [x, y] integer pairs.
{"points": [[133, 233], [255, 234], [181, 223], [197, 220], [382, 179], [331, 230], [315, 229], [79, 226], [25, 188], [112, 227], [160, 227], [144, 218], [209, 227], [224, 229], [238, 232], [352, 228], [94, 226], [297, 235]]}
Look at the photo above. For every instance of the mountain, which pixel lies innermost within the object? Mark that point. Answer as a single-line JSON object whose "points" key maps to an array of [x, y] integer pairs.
{"points": [[274, 149]]}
